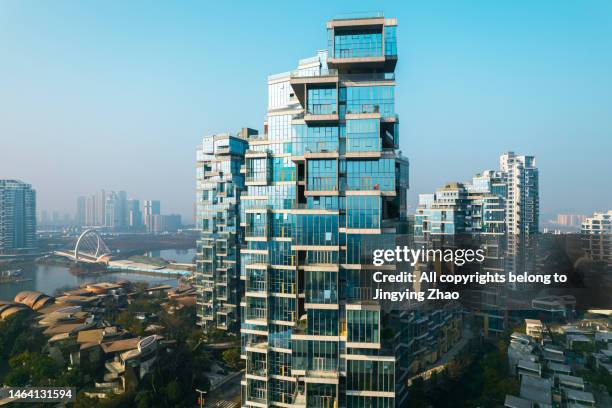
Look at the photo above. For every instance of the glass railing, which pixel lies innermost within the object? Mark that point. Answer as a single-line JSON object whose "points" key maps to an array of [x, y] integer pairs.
{"points": [[256, 313], [322, 109], [257, 177], [373, 76], [369, 183], [314, 73], [256, 231], [323, 184], [257, 368], [256, 286], [314, 146], [385, 109]]}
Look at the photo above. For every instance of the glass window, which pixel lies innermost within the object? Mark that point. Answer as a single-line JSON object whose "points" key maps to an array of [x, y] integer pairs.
{"points": [[316, 229], [321, 101], [366, 375], [321, 287], [358, 43], [314, 139], [371, 99], [371, 174], [390, 40], [362, 326], [322, 322], [363, 211], [362, 135], [322, 175]]}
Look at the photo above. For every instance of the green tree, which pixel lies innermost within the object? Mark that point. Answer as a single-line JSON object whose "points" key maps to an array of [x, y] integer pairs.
{"points": [[232, 357], [40, 370], [144, 399], [129, 322]]}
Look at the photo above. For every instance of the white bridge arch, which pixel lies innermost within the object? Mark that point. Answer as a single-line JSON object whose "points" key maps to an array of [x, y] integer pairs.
{"points": [[89, 247]]}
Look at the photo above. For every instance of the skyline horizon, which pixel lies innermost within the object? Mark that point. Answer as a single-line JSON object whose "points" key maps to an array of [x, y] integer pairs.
{"points": [[540, 89]]}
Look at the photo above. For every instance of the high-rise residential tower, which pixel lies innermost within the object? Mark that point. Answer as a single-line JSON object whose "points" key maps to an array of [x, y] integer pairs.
{"points": [[220, 183], [597, 236], [134, 213], [100, 208], [150, 208], [325, 181], [116, 210], [17, 217], [523, 199], [498, 211], [81, 211]]}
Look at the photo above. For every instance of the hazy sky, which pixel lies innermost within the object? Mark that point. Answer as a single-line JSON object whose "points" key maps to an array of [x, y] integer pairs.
{"points": [[116, 95]]}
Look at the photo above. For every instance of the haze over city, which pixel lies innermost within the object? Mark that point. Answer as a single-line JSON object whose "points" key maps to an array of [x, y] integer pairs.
{"points": [[117, 96]]}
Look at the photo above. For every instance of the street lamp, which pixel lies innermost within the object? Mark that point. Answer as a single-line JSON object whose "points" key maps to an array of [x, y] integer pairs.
{"points": [[201, 399]]}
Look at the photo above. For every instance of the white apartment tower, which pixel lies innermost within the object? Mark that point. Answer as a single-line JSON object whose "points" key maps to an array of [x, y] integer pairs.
{"points": [[522, 202]]}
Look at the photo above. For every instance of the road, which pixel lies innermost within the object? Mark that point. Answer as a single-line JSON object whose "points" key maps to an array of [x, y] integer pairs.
{"points": [[227, 396]]}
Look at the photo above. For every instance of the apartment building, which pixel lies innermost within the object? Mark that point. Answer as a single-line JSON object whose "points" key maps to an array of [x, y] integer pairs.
{"points": [[220, 183], [597, 236], [325, 184], [17, 217]]}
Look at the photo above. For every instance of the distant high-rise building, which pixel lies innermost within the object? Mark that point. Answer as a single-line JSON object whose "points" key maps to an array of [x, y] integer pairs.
{"points": [[570, 220], [17, 217], [134, 213], [496, 201], [100, 209], [81, 211], [499, 212], [523, 199], [219, 185], [150, 208], [159, 223], [44, 218], [116, 213], [597, 236], [56, 218], [91, 211], [457, 209]]}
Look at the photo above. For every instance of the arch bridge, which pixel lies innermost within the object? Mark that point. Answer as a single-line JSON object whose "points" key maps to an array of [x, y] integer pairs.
{"points": [[88, 248]]}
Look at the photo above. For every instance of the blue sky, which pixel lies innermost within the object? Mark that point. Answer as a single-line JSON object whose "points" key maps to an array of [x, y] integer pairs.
{"points": [[116, 95]]}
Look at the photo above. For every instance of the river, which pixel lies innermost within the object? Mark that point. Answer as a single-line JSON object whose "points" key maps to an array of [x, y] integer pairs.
{"points": [[49, 278]]}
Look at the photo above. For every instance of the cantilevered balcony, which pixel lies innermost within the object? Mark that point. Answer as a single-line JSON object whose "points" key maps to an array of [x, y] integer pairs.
{"points": [[362, 43], [301, 78]]}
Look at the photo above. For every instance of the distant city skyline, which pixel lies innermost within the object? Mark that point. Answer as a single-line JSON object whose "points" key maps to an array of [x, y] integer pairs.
{"points": [[88, 104]]}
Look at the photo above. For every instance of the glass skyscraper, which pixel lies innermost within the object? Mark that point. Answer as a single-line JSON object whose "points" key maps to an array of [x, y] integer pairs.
{"points": [[220, 182], [324, 182], [17, 217]]}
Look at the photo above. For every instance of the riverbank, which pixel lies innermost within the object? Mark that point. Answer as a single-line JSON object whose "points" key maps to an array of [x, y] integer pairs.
{"points": [[50, 276]]}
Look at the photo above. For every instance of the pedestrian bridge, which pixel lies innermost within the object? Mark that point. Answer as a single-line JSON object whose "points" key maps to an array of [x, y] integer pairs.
{"points": [[89, 247]]}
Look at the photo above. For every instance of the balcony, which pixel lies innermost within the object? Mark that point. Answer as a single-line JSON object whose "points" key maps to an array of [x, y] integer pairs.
{"points": [[321, 112], [350, 79], [222, 150], [386, 62], [256, 233], [300, 78], [322, 186], [256, 365], [319, 73], [258, 286], [258, 315]]}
